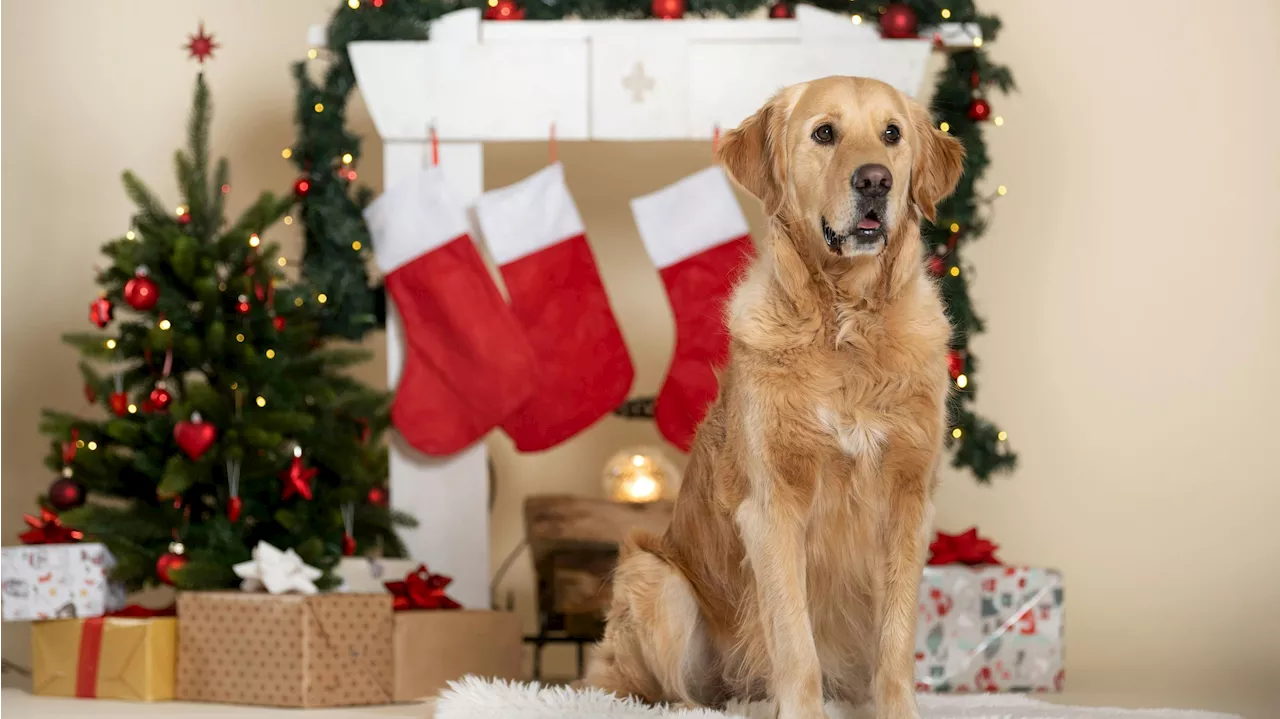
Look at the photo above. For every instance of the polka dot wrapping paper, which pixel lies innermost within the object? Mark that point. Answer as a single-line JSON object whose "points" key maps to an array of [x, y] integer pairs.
{"points": [[285, 650]]}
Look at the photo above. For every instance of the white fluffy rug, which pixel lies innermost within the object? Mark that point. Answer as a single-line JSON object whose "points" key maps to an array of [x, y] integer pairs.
{"points": [[474, 698]]}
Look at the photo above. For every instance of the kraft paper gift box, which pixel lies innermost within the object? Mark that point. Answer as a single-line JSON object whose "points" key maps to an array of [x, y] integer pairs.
{"points": [[55, 581], [989, 629], [287, 650], [105, 658], [436, 646]]}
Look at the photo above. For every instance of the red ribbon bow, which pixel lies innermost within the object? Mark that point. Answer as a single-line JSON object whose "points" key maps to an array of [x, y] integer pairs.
{"points": [[422, 590], [48, 529], [966, 548]]}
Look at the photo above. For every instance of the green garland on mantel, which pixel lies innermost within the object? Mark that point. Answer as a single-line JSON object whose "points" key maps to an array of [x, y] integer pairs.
{"points": [[336, 238]]}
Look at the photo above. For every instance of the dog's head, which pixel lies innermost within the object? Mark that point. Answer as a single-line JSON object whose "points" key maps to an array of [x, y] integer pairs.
{"points": [[848, 159]]}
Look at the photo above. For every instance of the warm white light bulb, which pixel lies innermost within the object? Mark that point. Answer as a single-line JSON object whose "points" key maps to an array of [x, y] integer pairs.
{"points": [[254, 240], [944, 126], [998, 120], [92, 446], [946, 14], [164, 324], [956, 433], [322, 298], [962, 381], [1002, 190], [271, 354], [1002, 436], [955, 271], [642, 487], [281, 261], [356, 245], [286, 153], [977, 42], [262, 401], [313, 54], [347, 158], [111, 344], [857, 19]]}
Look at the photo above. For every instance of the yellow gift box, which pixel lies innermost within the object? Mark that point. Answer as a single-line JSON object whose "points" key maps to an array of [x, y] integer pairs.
{"points": [[105, 658]]}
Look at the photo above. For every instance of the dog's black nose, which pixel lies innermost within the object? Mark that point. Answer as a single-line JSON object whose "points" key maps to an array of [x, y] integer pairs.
{"points": [[872, 180]]}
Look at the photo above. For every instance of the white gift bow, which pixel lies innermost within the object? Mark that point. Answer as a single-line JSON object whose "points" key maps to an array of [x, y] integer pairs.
{"points": [[276, 571]]}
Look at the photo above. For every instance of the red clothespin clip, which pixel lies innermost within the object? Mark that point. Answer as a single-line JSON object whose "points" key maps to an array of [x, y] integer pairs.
{"points": [[551, 144]]}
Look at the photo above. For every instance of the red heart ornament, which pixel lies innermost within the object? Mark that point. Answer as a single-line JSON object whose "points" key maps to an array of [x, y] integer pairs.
{"points": [[194, 436]]}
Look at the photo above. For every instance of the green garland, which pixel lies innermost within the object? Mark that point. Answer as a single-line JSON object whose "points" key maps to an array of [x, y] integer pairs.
{"points": [[336, 237]]}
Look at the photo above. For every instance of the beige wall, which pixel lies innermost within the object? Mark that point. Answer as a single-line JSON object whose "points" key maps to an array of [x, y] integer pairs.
{"points": [[1129, 283]]}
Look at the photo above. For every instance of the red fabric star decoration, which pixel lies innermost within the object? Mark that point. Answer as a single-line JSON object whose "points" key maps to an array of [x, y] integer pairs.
{"points": [[966, 548], [201, 46], [421, 590], [48, 529], [297, 479]]}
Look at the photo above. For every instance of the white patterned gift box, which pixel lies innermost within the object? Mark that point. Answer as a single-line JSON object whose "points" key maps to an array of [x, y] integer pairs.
{"points": [[55, 581], [989, 629]]}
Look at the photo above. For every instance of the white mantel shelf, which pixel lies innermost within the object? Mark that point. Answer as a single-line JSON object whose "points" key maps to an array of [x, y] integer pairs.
{"points": [[617, 79], [474, 82]]}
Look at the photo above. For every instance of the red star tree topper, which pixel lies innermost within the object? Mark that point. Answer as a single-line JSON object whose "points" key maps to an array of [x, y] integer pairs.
{"points": [[201, 46]]}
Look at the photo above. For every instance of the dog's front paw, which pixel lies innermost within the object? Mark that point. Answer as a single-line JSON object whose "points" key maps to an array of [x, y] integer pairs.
{"points": [[896, 702]]}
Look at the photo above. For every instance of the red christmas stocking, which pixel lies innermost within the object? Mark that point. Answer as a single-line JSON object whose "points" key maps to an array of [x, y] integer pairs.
{"points": [[467, 364], [535, 235], [696, 234]]}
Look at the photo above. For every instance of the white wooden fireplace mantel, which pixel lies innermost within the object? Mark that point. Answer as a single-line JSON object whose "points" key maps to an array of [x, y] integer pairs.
{"points": [[627, 80]]}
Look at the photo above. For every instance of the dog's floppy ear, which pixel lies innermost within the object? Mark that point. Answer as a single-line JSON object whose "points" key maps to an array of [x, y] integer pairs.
{"points": [[939, 161], [752, 153]]}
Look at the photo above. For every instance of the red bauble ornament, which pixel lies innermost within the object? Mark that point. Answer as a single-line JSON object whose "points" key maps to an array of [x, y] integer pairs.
{"points": [[168, 563], [668, 9], [378, 496], [955, 363], [101, 312], [278, 323], [936, 266], [781, 11], [234, 506], [297, 478], [979, 110], [898, 22], [348, 545], [504, 10], [160, 398], [194, 436], [301, 187], [141, 292], [66, 493], [184, 218], [242, 305], [119, 402]]}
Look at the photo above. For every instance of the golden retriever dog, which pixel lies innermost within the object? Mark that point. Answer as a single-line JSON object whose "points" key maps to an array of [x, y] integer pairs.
{"points": [[791, 566]]}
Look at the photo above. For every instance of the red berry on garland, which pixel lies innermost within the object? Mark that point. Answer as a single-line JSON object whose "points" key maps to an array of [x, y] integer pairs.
{"points": [[781, 11], [141, 292], [668, 9], [101, 312], [297, 478], [278, 323], [160, 398], [242, 305], [936, 266], [302, 187], [378, 496], [979, 110], [119, 402], [504, 10], [955, 363], [194, 436], [170, 562], [898, 22], [66, 493]]}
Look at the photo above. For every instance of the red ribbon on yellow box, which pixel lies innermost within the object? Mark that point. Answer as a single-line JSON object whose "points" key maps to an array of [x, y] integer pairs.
{"points": [[421, 589], [964, 548], [112, 657]]}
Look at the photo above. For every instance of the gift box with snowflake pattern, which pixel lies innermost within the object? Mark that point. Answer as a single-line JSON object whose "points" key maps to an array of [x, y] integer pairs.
{"points": [[989, 629]]}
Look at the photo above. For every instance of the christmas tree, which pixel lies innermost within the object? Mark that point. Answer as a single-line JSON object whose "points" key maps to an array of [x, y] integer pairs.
{"points": [[228, 420]]}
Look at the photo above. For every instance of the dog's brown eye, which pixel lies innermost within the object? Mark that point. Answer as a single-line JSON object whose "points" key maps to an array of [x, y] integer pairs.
{"points": [[824, 134], [892, 134]]}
